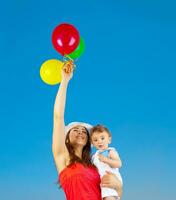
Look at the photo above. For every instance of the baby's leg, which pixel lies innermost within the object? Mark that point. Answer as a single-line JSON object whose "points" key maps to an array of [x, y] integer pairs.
{"points": [[109, 198]]}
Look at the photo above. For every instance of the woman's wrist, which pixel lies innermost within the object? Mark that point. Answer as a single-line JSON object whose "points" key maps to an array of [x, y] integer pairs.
{"points": [[65, 81]]}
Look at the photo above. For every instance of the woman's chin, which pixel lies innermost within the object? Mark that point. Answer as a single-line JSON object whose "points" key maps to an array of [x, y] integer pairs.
{"points": [[79, 143]]}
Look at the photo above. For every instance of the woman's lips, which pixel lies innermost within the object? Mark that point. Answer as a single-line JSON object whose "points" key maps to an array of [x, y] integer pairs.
{"points": [[80, 137]]}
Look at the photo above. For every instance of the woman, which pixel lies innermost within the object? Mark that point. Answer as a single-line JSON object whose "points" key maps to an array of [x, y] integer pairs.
{"points": [[71, 147]]}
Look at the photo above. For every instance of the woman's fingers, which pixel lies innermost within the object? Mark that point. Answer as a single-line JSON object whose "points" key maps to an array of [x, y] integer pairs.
{"points": [[68, 67], [110, 180], [105, 184], [105, 181], [108, 172]]}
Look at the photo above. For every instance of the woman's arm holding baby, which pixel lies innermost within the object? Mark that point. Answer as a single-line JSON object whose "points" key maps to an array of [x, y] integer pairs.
{"points": [[110, 180]]}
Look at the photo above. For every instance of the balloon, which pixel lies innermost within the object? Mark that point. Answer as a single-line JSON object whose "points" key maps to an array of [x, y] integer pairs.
{"points": [[79, 50], [65, 38], [50, 71]]}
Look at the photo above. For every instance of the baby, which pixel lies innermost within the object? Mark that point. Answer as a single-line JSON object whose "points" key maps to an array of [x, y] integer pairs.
{"points": [[105, 159]]}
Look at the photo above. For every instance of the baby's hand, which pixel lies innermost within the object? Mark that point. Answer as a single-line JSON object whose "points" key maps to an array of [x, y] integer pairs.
{"points": [[102, 158]]}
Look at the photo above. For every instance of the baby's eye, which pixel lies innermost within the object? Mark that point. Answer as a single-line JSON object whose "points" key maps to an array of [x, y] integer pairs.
{"points": [[95, 140], [102, 138]]}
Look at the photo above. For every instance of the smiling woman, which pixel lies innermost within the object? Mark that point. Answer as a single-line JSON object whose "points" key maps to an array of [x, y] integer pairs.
{"points": [[79, 136], [71, 148]]}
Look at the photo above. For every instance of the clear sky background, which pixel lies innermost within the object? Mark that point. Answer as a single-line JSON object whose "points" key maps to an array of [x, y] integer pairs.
{"points": [[124, 80]]}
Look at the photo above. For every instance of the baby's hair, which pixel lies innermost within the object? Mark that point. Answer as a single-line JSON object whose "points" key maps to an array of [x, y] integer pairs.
{"points": [[99, 128]]}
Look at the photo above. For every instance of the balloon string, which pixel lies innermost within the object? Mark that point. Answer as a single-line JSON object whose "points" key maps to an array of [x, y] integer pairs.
{"points": [[66, 58]]}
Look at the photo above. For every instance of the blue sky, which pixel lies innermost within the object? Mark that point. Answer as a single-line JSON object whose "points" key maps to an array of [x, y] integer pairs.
{"points": [[124, 80]]}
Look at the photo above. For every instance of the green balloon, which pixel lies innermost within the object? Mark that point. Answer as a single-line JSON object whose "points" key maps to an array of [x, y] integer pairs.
{"points": [[79, 50]]}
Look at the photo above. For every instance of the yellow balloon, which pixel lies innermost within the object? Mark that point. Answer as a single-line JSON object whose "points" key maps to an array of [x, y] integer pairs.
{"points": [[50, 71]]}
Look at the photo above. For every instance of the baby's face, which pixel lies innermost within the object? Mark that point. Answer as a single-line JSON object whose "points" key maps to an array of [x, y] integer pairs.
{"points": [[101, 140]]}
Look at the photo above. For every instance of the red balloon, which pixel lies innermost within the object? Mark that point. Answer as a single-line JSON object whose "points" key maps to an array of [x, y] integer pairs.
{"points": [[65, 38]]}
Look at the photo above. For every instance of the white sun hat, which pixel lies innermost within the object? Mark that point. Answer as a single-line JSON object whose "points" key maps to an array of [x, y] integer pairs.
{"points": [[73, 124]]}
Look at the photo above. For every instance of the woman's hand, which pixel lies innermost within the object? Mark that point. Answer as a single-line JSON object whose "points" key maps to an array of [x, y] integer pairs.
{"points": [[110, 180], [67, 71]]}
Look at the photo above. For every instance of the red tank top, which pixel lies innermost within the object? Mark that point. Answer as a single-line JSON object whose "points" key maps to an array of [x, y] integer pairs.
{"points": [[80, 182]]}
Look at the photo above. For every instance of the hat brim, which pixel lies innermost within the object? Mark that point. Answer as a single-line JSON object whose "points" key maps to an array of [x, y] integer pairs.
{"points": [[73, 124]]}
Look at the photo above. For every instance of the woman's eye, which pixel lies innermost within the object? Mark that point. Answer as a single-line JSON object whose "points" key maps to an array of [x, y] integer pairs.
{"points": [[84, 132]]}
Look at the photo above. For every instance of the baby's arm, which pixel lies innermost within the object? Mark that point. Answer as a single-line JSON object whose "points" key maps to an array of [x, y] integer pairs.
{"points": [[113, 161]]}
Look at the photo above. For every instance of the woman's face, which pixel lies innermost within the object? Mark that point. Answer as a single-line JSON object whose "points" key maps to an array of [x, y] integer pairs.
{"points": [[78, 136]]}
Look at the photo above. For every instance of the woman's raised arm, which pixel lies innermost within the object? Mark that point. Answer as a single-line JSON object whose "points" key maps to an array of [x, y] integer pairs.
{"points": [[58, 142]]}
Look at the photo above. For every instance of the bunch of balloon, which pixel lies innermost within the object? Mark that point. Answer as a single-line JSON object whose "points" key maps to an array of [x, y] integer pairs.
{"points": [[67, 41]]}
